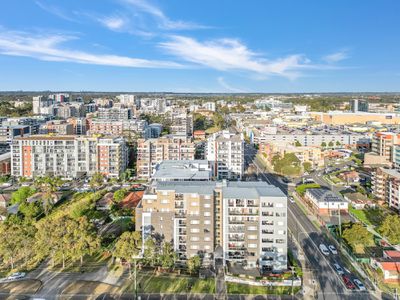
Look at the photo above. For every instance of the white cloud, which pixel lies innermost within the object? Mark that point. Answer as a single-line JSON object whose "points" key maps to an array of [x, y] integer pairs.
{"points": [[164, 21], [228, 87], [231, 54], [113, 23], [336, 57], [48, 47], [55, 11]]}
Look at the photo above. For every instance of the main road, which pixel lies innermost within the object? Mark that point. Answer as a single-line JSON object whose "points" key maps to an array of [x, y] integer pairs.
{"points": [[330, 285]]}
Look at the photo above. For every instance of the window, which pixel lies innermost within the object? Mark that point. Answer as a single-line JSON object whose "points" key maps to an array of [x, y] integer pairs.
{"points": [[194, 238], [207, 214], [252, 228], [195, 222], [207, 205], [281, 231], [280, 223], [252, 237], [207, 222], [207, 239], [164, 201], [195, 230], [194, 195], [194, 247], [279, 205], [194, 204], [207, 247], [252, 246], [164, 193]]}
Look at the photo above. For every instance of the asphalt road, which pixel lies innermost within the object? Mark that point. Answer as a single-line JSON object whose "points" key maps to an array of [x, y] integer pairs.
{"points": [[330, 284]]}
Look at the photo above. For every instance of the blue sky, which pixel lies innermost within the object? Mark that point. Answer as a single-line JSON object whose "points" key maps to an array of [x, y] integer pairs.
{"points": [[200, 46]]}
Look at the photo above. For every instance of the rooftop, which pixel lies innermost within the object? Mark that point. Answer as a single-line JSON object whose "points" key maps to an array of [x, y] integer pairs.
{"points": [[324, 195]]}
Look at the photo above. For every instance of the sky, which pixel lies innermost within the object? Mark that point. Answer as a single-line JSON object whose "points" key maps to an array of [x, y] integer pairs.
{"points": [[228, 46]]}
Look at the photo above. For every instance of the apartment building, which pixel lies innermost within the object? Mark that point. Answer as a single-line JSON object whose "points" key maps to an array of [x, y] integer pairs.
{"points": [[114, 113], [181, 123], [383, 142], [309, 154], [127, 100], [183, 170], [41, 104], [68, 156], [247, 219], [226, 151], [386, 186], [57, 127], [151, 152], [115, 127], [357, 105]]}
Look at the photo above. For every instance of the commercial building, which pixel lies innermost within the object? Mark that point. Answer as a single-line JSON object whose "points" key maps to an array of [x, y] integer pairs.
{"points": [[357, 105], [346, 118], [226, 151], [68, 156], [151, 152], [248, 220]]}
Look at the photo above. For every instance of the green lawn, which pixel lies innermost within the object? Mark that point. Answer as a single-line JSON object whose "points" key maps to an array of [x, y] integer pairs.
{"points": [[360, 215], [172, 284], [237, 288]]}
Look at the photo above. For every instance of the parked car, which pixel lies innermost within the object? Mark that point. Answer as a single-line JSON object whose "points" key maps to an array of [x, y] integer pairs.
{"points": [[359, 285], [15, 276], [324, 249], [291, 199], [338, 269], [332, 249], [347, 281]]}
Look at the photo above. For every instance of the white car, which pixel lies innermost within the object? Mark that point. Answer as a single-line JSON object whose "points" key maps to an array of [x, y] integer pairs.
{"points": [[291, 199], [332, 249], [15, 276], [359, 285], [324, 249], [338, 269]]}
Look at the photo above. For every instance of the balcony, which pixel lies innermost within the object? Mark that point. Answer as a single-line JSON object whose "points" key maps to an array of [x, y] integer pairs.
{"points": [[180, 214]]}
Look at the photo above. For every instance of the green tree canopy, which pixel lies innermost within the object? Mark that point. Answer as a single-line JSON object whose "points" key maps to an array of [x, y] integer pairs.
{"points": [[128, 246], [22, 194], [358, 237], [194, 264], [120, 195], [390, 229]]}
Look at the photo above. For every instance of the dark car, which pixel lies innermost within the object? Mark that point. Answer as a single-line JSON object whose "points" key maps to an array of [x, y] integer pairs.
{"points": [[348, 283]]}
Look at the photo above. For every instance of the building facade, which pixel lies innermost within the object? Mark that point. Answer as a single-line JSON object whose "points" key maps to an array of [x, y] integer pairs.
{"points": [[151, 152], [248, 220], [68, 156], [226, 151]]}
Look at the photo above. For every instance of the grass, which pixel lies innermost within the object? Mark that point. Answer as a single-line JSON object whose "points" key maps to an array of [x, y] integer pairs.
{"points": [[360, 215], [237, 288], [171, 284], [212, 130], [91, 263], [26, 286], [83, 287]]}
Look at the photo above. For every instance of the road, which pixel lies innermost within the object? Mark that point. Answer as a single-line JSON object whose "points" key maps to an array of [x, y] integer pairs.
{"points": [[306, 234]]}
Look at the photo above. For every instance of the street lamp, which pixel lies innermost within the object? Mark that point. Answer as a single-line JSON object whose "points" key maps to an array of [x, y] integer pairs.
{"points": [[135, 258]]}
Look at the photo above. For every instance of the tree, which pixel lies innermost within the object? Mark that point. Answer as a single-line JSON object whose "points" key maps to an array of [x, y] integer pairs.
{"points": [[168, 256], [330, 144], [194, 264], [30, 210], [307, 166], [128, 246], [22, 194], [151, 252], [338, 143], [358, 237], [297, 144], [48, 186], [323, 144], [96, 181], [390, 229], [86, 241], [120, 195]]}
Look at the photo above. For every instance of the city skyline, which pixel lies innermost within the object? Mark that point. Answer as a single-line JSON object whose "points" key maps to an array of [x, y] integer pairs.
{"points": [[145, 45]]}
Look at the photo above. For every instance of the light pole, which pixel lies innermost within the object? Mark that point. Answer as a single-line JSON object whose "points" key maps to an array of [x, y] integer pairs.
{"points": [[135, 258]]}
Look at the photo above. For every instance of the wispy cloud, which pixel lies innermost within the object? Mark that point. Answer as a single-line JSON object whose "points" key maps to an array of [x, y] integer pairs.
{"points": [[228, 87], [336, 57], [164, 22], [54, 10], [50, 48], [231, 54], [113, 22]]}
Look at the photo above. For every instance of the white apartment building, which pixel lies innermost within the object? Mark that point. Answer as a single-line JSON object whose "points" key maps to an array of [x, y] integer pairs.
{"points": [[182, 123], [68, 156], [226, 151], [127, 100]]}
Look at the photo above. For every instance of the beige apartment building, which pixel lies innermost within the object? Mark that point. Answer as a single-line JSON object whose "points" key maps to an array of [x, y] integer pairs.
{"points": [[151, 152], [248, 220]]}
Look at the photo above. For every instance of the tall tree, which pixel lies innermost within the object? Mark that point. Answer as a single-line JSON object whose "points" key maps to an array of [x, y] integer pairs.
{"points": [[48, 186], [128, 247], [168, 255], [96, 181], [358, 237], [85, 239], [390, 229], [194, 264]]}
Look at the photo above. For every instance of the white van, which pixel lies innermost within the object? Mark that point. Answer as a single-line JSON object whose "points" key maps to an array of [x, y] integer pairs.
{"points": [[324, 249]]}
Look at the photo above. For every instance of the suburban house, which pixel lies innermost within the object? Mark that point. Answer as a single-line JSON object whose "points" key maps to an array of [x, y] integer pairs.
{"points": [[389, 264], [325, 203]]}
